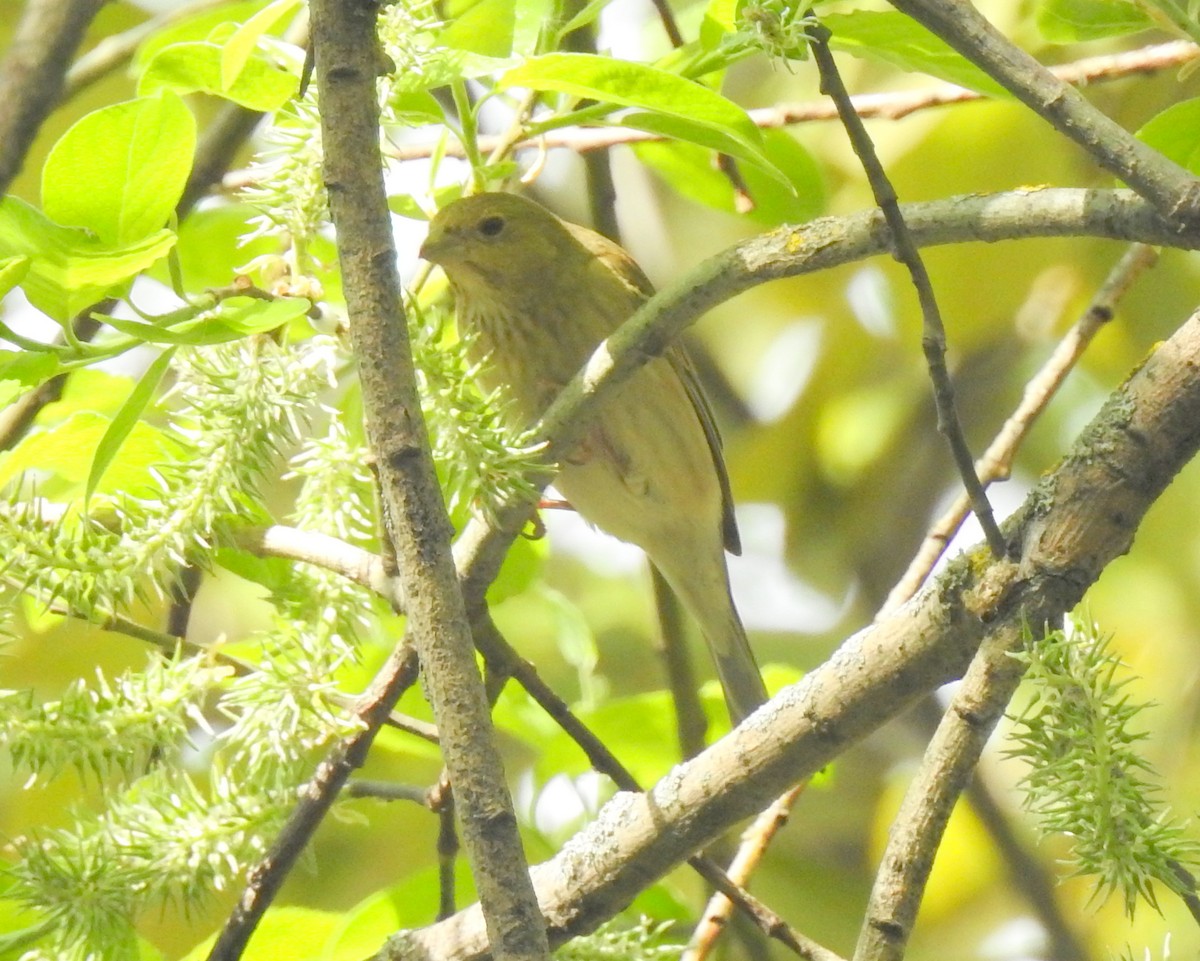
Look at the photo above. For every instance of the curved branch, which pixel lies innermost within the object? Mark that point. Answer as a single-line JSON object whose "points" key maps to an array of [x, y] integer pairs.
{"points": [[790, 252]]}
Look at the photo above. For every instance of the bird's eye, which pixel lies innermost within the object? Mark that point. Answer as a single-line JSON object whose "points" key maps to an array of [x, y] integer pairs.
{"points": [[491, 226]]}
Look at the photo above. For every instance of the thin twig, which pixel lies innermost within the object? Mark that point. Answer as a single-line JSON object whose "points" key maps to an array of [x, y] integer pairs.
{"points": [[441, 801], [316, 797], [670, 27], [893, 105], [917, 831], [387, 791], [754, 843], [996, 462], [933, 338], [497, 651]]}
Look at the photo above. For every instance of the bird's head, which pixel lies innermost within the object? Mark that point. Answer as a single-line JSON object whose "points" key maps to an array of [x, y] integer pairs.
{"points": [[497, 239]]}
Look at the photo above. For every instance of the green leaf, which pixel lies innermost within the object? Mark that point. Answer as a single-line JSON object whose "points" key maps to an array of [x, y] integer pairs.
{"points": [[241, 46], [210, 250], [65, 452], [485, 28], [682, 129], [720, 19], [69, 268], [629, 84], [199, 26], [121, 426], [588, 13], [404, 205], [691, 171], [416, 107], [22, 369], [12, 272], [893, 38], [1071, 21], [197, 67], [120, 170], [1176, 133]]}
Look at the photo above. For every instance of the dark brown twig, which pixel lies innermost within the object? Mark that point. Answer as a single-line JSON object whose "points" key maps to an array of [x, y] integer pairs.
{"points": [[753, 846], [996, 462], [316, 797], [499, 653], [933, 339]]}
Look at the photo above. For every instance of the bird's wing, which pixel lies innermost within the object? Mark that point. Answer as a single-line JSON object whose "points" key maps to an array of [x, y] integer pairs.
{"points": [[626, 269], [678, 358]]}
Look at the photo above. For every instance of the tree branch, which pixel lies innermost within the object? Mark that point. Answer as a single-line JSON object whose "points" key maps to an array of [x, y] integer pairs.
{"points": [[1076, 521], [789, 252], [933, 331], [1164, 183], [348, 61], [996, 462], [31, 78], [917, 830]]}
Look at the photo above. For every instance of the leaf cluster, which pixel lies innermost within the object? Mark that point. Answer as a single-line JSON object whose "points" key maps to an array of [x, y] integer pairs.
{"points": [[1087, 780]]}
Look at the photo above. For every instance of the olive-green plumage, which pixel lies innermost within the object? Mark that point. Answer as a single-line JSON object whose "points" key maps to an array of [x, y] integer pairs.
{"points": [[539, 294]]}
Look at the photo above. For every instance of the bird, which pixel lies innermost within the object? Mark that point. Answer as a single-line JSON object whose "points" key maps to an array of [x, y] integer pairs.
{"points": [[536, 295]]}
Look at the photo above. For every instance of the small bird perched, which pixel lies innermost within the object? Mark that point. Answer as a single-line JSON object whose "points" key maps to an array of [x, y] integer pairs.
{"points": [[539, 295]]}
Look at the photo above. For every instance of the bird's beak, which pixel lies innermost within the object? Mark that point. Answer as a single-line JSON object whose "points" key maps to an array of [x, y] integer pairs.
{"points": [[435, 241]]}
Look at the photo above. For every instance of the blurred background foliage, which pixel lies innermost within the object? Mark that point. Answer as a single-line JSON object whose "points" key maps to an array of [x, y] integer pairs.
{"points": [[837, 469]]}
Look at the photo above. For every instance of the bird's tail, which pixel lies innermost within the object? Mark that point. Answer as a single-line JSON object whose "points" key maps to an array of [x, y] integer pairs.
{"points": [[714, 611]]}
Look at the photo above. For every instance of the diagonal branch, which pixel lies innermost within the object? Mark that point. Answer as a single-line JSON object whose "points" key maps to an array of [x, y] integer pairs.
{"points": [[996, 461], [31, 79], [917, 831], [1164, 183], [1078, 519]]}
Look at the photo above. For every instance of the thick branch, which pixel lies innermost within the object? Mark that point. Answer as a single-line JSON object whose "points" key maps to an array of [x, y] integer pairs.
{"points": [[1164, 183], [348, 61], [31, 79], [1076, 521]]}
